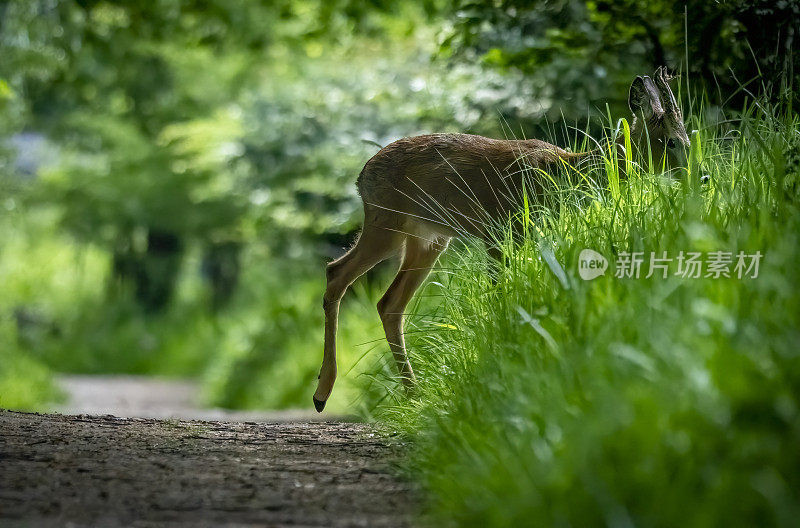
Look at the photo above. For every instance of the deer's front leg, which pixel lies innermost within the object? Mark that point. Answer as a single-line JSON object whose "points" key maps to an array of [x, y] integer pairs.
{"points": [[373, 246]]}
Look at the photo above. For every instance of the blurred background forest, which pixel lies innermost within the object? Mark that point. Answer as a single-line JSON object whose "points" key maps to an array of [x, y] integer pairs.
{"points": [[175, 174]]}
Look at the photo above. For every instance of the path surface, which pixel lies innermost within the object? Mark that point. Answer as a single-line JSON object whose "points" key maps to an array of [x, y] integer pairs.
{"points": [[147, 397], [60, 470]]}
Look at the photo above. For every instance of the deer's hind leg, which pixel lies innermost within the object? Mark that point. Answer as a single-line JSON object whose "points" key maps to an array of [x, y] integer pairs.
{"points": [[374, 245], [420, 256]]}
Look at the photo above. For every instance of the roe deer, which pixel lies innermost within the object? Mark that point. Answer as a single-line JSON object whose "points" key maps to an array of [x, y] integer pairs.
{"points": [[419, 192]]}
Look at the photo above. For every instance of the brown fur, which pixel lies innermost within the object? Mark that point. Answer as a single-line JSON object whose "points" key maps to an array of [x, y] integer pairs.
{"points": [[451, 183]]}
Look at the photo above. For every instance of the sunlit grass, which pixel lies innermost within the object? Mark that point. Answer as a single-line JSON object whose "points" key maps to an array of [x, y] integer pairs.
{"points": [[548, 400]]}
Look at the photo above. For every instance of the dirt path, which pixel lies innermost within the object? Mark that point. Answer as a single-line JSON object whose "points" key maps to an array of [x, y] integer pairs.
{"points": [[103, 471], [148, 397]]}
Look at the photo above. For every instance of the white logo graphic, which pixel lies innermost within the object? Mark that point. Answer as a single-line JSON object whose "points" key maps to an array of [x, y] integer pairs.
{"points": [[591, 264]]}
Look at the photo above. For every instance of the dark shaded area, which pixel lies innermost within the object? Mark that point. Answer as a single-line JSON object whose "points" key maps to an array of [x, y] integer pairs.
{"points": [[222, 267], [584, 49]]}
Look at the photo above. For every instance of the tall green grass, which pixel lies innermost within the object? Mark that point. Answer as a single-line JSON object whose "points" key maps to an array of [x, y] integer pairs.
{"points": [[547, 400]]}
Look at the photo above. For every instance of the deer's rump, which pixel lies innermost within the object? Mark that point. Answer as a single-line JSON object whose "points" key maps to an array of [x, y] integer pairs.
{"points": [[453, 182]]}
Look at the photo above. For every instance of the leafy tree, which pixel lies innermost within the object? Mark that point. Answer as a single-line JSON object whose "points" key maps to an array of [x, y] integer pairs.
{"points": [[136, 95], [579, 52]]}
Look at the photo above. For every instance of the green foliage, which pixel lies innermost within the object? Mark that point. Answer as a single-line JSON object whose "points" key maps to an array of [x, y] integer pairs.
{"points": [[590, 49], [548, 400], [25, 383]]}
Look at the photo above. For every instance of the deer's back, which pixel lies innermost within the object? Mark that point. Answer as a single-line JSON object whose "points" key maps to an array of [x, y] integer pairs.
{"points": [[459, 179]]}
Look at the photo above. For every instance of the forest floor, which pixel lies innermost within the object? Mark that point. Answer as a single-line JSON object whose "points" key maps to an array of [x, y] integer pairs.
{"points": [[85, 470]]}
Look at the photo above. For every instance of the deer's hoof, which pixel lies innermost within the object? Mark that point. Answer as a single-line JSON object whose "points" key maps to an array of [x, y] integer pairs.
{"points": [[318, 405]]}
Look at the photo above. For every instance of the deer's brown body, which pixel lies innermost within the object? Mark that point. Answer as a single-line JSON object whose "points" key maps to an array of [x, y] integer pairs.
{"points": [[450, 184], [420, 192]]}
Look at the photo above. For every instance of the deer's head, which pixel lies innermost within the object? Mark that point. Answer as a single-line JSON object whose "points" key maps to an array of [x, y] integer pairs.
{"points": [[658, 119]]}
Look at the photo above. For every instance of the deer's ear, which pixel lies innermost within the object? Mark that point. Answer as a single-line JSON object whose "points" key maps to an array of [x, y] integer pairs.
{"points": [[643, 97]]}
